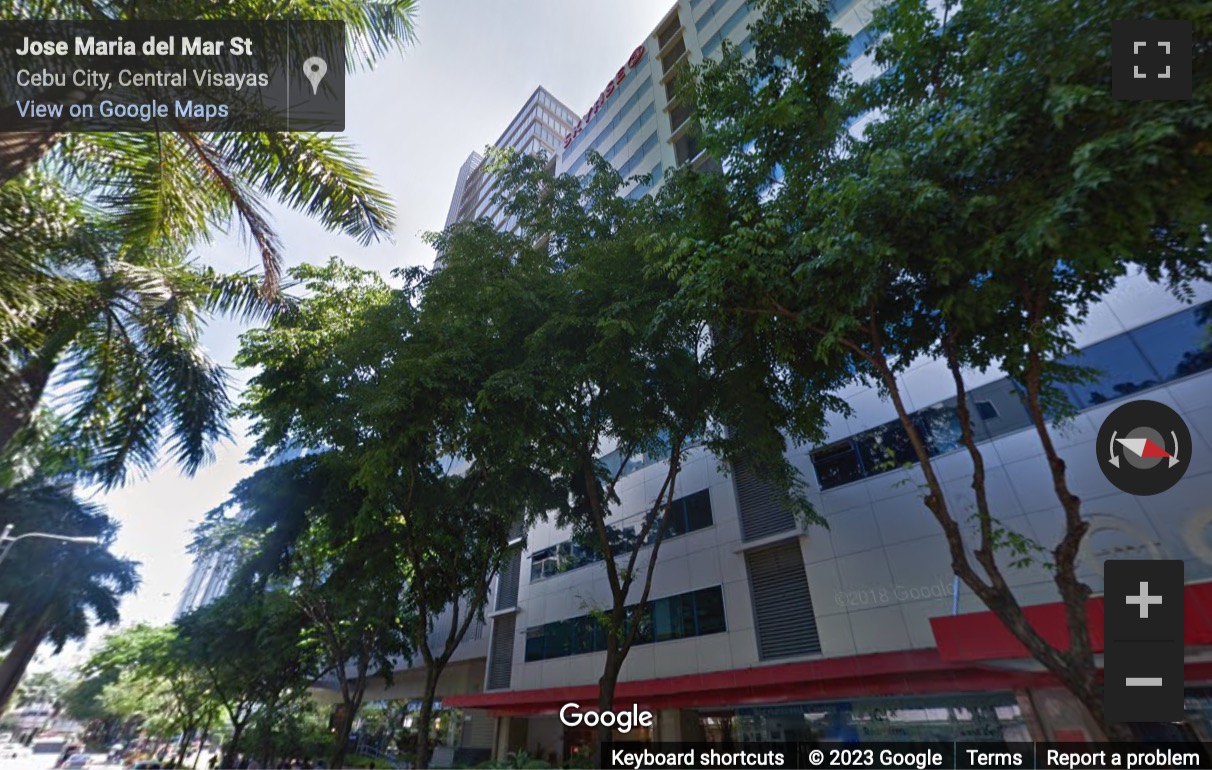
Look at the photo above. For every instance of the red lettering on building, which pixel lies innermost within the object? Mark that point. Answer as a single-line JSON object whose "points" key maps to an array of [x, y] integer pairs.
{"points": [[634, 61]]}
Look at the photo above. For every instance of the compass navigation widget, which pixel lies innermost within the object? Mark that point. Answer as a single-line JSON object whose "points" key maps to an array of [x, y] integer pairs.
{"points": [[1144, 447]]}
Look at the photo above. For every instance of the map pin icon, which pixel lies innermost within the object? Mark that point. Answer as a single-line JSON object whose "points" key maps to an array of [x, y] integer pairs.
{"points": [[314, 70]]}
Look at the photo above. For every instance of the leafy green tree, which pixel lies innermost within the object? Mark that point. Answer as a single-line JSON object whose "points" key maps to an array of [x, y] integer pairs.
{"points": [[353, 600], [84, 701], [249, 647], [583, 344], [353, 371], [42, 687], [120, 339], [157, 682], [55, 590], [998, 192]]}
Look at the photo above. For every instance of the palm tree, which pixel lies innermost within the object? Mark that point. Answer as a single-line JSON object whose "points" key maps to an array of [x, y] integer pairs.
{"points": [[55, 590], [177, 186], [115, 331]]}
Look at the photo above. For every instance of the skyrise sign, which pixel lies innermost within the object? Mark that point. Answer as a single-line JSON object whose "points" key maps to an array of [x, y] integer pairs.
{"points": [[634, 61]]}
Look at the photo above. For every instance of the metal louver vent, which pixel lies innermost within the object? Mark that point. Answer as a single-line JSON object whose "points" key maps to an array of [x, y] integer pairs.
{"points": [[500, 654], [516, 531], [762, 511], [507, 581], [782, 603]]}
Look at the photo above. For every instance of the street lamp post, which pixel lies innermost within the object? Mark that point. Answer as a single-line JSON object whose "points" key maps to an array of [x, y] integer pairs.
{"points": [[7, 540]]}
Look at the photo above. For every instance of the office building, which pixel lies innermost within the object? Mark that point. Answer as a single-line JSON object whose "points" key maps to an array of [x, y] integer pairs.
{"points": [[537, 129], [208, 580], [763, 630]]}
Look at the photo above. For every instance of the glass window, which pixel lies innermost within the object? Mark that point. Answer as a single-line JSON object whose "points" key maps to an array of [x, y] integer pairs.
{"points": [[534, 644], [559, 639], [885, 448], [644, 635], [709, 611], [1119, 370], [667, 618], [858, 44], [582, 634], [698, 511], [940, 428], [1178, 345], [837, 464]]}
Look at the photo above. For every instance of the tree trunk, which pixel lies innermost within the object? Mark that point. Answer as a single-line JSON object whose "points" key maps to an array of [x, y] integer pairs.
{"points": [[425, 718], [202, 742], [21, 150], [22, 393], [18, 658], [229, 756], [606, 687], [183, 746], [346, 727]]}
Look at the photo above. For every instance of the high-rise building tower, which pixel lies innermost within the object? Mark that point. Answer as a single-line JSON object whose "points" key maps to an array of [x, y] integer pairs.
{"points": [[539, 128]]}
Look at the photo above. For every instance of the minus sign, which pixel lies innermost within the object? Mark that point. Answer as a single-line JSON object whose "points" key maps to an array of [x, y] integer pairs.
{"points": [[1143, 681]]}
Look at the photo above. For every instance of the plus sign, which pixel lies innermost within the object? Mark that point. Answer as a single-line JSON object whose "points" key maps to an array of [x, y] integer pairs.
{"points": [[1144, 600]]}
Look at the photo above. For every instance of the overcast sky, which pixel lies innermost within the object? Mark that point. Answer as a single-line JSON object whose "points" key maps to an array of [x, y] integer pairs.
{"points": [[415, 119]]}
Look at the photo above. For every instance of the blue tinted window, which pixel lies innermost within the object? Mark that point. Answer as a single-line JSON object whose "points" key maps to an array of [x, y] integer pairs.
{"points": [[1178, 345], [709, 611], [534, 643], [858, 44], [725, 30], [837, 464], [696, 613], [1119, 370]]}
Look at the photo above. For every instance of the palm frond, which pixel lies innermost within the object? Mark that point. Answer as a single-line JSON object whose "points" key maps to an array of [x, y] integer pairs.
{"points": [[318, 175]]}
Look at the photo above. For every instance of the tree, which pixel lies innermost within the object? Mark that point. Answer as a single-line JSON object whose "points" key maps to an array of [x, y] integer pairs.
{"points": [[585, 343], [353, 599], [354, 372], [926, 235], [175, 186], [55, 590], [119, 338], [156, 682], [84, 701], [42, 687], [248, 646]]}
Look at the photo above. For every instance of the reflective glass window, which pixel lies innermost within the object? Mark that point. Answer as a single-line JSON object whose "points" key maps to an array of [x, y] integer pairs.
{"points": [[1120, 369], [534, 643], [885, 448], [709, 611], [1179, 345], [837, 464]]}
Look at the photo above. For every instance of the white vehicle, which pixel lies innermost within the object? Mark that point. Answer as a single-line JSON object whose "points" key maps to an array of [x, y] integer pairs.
{"points": [[13, 751]]}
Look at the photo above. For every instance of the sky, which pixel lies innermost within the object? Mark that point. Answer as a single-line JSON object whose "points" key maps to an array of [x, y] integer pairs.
{"points": [[414, 118]]}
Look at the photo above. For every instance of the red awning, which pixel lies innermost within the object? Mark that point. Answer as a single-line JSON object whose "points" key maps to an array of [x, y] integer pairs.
{"points": [[980, 636], [891, 673], [967, 644]]}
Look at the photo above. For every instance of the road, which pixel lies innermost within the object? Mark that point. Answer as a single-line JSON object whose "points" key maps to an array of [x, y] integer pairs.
{"points": [[47, 762]]}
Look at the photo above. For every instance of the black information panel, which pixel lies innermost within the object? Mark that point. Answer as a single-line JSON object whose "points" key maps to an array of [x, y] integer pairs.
{"points": [[907, 756], [1143, 630], [172, 76]]}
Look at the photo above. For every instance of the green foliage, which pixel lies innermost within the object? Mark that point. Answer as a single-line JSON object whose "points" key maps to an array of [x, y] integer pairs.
{"points": [[60, 588], [994, 192], [113, 330], [247, 646], [172, 187], [100, 297], [385, 528], [155, 682]]}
